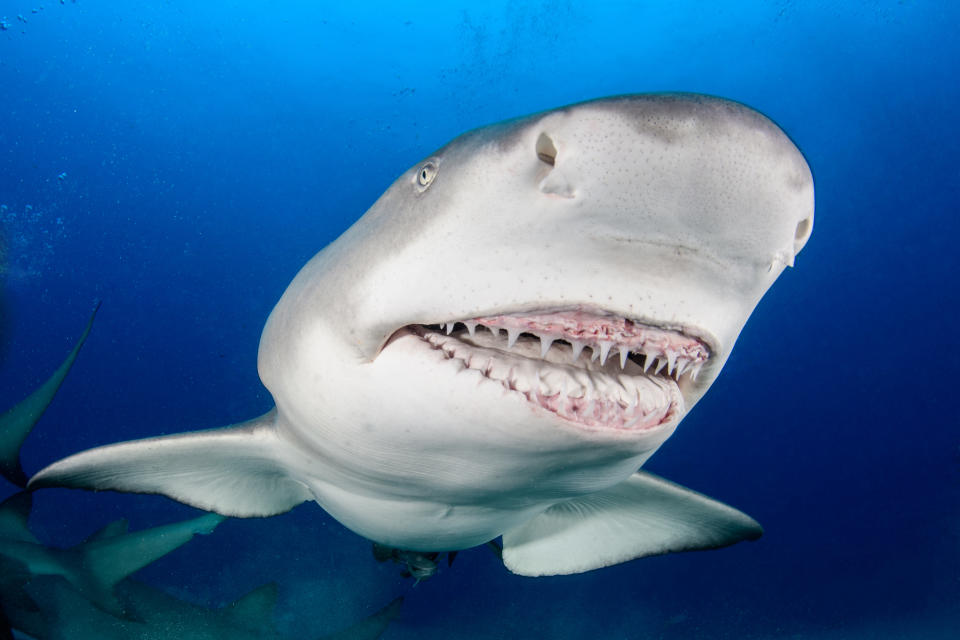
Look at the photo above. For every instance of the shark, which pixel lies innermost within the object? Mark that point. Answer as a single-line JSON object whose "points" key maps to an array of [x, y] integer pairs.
{"points": [[498, 345]]}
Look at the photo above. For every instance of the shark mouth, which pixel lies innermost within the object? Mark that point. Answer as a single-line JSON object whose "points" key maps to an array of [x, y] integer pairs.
{"points": [[595, 370]]}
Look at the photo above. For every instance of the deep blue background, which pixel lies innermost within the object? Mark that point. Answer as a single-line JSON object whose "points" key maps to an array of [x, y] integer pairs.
{"points": [[210, 150]]}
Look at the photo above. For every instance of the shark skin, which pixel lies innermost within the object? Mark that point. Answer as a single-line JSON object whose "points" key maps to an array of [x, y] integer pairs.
{"points": [[505, 337], [17, 422]]}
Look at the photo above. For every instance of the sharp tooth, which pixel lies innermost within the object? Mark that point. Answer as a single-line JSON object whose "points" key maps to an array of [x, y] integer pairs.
{"points": [[512, 335], [633, 420], [539, 384], [634, 400], [604, 351], [594, 353], [449, 327], [671, 361], [647, 361], [623, 357], [545, 342], [471, 327], [661, 363], [682, 365], [495, 331], [696, 371], [562, 401], [577, 347]]}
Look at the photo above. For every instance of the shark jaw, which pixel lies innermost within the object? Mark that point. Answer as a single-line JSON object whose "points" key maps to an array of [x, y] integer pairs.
{"points": [[592, 369]]}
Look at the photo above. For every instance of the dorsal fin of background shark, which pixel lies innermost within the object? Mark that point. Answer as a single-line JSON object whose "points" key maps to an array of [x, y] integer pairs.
{"points": [[431, 367], [17, 422]]}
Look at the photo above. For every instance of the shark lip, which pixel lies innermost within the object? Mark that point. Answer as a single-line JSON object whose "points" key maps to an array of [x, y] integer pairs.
{"points": [[595, 370]]}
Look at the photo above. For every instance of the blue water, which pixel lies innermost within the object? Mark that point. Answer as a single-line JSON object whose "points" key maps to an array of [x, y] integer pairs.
{"points": [[181, 161]]}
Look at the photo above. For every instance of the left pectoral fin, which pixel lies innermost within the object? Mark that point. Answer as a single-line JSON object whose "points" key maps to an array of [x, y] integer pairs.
{"points": [[642, 516], [234, 471]]}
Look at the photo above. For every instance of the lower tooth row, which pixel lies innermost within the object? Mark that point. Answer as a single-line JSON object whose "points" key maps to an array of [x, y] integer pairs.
{"points": [[579, 396]]}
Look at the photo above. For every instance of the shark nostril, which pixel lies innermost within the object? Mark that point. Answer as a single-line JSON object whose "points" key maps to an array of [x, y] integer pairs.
{"points": [[802, 234], [546, 150]]}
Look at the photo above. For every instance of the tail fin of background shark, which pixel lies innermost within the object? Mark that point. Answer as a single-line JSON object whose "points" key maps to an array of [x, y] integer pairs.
{"points": [[18, 421], [231, 470], [643, 516]]}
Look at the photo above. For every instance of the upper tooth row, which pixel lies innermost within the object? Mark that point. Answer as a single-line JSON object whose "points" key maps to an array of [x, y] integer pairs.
{"points": [[676, 364]]}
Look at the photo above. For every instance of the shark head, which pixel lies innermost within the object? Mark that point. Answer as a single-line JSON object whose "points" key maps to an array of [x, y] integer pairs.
{"points": [[506, 336], [532, 309]]}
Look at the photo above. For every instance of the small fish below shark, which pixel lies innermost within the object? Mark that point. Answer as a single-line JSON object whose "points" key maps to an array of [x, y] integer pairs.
{"points": [[505, 337]]}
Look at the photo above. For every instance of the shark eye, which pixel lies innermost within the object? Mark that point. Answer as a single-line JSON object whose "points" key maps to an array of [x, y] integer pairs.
{"points": [[426, 174]]}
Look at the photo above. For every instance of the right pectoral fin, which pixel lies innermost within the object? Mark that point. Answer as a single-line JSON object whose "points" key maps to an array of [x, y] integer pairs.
{"points": [[233, 471], [643, 516]]}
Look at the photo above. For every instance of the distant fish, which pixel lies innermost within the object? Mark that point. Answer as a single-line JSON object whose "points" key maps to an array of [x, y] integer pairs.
{"points": [[417, 564], [420, 565]]}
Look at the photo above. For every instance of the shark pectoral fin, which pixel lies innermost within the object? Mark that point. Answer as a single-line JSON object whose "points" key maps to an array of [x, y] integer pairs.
{"points": [[233, 471], [642, 516]]}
